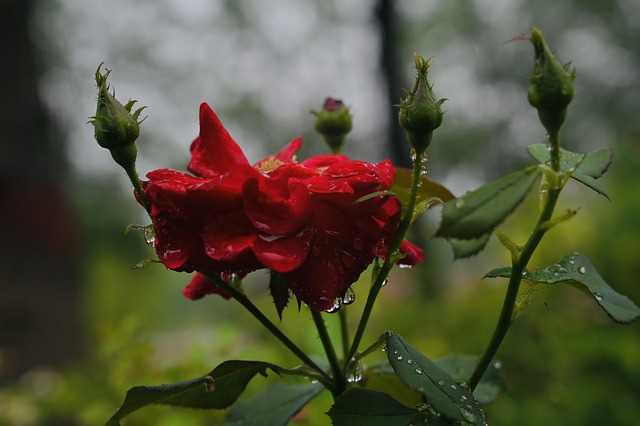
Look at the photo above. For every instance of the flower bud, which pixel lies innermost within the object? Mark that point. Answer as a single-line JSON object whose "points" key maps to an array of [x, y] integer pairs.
{"points": [[420, 113], [333, 123], [551, 88], [116, 128]]}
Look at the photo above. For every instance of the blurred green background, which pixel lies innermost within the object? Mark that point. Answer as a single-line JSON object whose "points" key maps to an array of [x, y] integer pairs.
{"points": [[79, 325]]}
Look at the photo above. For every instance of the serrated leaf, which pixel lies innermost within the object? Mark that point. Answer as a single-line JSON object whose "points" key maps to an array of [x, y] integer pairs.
{"points": [[428, 188], [279, 292], [578, 271], [366, 407], [442, 392], [478, 212], [275, 405], [468, 248], [218, 389], [461, 367], [589, 166]]}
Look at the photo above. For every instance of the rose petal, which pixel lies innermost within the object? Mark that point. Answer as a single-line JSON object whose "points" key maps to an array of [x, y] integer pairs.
{"points": [[200, 286]]}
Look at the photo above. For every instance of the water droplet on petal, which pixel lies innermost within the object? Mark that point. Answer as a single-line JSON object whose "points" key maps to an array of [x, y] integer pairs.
{"points": [[582, 270], [315, 251], [358, 242], [348, 259], [337, 304], [349, 297]]}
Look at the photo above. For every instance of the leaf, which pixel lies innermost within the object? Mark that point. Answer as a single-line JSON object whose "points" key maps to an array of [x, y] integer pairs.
{"points": [[461, 367], [591, 166], [468, 248], [381, 377], [366, 407], [275, 405], [478, 212], [578, 271], [428, 188], [279, 291], [218, 389], [442, 392]]}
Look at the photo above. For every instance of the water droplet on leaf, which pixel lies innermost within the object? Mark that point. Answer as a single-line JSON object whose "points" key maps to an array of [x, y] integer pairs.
{"points": [[582, 270], [418, 370], [598, 296], [459, 204]]}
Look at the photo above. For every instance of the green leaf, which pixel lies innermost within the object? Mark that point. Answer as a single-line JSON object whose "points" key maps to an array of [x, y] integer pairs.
{"points": [[428, 188], [275, 405], [381, 377], [461, 367], [468, 248], [218, 389], [578, 271], [366, 407], [442, 392], [589, 166], [478, 212]]}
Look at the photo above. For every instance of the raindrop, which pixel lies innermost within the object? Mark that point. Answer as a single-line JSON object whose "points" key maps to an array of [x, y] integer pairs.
{"points": [[582, 270], [315, 251], [459, 204], [358, 242], [349, 297], [468, 415], [409, 361], [384, 347], [572, 262], [422, 407], [356, 373], [400, 357], [386, 280], [441, 382], [404, 266], [598, 296], [464, 397], [497, 365], [454, 387], [348, 259], [337, 304], [418, 370], [413, 155]]}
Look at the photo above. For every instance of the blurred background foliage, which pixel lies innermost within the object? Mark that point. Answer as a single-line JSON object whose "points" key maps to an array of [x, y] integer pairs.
{"points": [[80, 326]]}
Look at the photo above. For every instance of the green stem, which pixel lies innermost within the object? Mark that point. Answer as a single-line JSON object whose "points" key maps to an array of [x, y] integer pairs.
{"points": [[344, 331], [389, 261], [339, 379], [253, 309], [519, 265]]}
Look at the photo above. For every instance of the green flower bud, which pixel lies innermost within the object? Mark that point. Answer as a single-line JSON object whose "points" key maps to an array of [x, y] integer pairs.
{"points": [[551, 88], [333, 123], [116, 127], [420, 113]]}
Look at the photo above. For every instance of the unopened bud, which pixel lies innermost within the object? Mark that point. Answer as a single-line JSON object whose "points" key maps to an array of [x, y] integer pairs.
{"points": [[420, 113], [333, 123], [116, 127], [551, 88]]}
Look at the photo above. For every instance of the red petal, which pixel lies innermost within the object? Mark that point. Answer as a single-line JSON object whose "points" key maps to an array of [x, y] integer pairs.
{"points": [[282, 254], [214, 152], [413, 254], [228, 236], [200, 286]]}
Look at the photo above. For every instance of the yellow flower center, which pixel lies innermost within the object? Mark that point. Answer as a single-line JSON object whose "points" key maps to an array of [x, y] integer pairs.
{"points": [[273, 163]]}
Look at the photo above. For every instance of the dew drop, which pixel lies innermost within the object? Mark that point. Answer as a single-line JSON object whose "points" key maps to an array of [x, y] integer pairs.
{"points": [[358, 242], [598, 296], [400, 357], [348, 260], [572, 262], [418, 370], [582, 270], [337, 304], [315, 251], [386, 280], [454, 387], [349, 297], [409, 361], [468, 415], [441, 382], [464, 397], [404, 266], [497, 365], [459, 204], [356, 374], [413, 155]]}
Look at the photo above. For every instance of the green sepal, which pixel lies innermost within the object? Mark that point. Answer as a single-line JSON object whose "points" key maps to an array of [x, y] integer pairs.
{"points": [[469, 247], [578, 271], [585, 168], [279, 289], [476, 213], [218, 389]]}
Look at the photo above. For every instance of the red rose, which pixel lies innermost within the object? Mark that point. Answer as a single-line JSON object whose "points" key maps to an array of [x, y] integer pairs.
{"points": [[298, 219]]}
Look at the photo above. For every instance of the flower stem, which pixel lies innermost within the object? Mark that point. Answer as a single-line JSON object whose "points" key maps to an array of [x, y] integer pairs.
{"points": [[339, 379], [519, 264], [253, 309], [390, 260], [344, 331]]}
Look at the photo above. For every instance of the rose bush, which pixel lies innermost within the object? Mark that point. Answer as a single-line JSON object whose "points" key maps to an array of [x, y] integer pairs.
{"points": [[304, 220]]}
